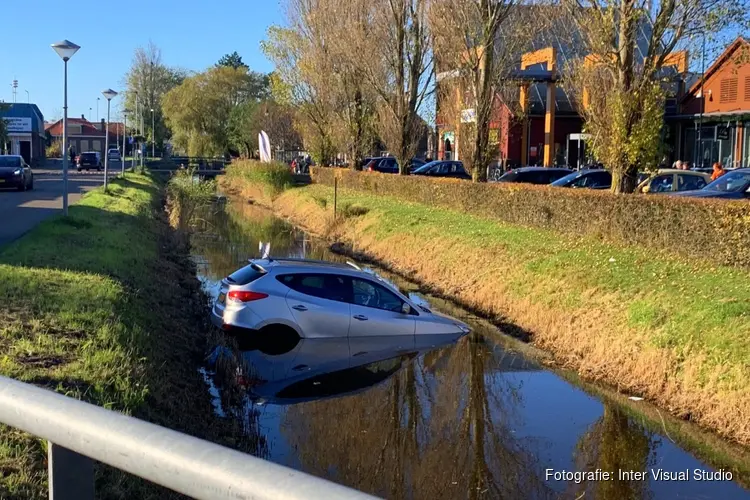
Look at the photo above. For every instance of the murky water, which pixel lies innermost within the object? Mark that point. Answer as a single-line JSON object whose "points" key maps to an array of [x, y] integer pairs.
{"points": [[437, 418]]}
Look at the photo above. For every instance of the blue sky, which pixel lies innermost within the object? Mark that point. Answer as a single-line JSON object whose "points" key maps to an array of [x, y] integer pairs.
{"points": [[192, 34]]}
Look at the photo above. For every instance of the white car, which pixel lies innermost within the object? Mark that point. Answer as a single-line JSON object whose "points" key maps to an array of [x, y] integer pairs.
{"points": [[315, 299], [114, 154]]}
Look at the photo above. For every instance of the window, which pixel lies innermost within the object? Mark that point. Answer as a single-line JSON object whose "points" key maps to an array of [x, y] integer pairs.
{"points": [[690, 182], [324, 286], [246, 275], [747, 88], [84, 145], [600, 180], [369, 294], [661, 184], [728, 90], [96, 145], [10, 161]]}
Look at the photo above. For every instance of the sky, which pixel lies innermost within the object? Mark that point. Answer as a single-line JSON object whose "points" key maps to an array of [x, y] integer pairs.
{"points": [[192, 34]]}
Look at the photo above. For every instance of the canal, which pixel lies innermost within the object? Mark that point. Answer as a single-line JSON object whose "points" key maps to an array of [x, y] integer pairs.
{"points": [[475, 417]]}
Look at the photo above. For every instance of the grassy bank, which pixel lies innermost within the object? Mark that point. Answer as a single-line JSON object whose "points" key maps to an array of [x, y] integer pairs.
{"points": [[104, 306], [673, 330]]}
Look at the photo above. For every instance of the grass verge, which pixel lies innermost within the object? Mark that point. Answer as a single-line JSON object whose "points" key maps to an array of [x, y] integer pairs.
{"points": [[104, 306], [672, 330]]}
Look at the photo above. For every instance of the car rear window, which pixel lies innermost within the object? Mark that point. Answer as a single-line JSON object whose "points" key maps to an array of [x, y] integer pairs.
{"points": [[246, 275], [88, 156]]}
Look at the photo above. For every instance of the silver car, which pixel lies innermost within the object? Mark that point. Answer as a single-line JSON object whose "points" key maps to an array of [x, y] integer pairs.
{"points": [[316, 299]]}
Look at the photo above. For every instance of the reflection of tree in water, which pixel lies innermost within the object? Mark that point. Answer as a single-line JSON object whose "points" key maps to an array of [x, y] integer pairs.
{"points": [[435, 430], [614, 443]]}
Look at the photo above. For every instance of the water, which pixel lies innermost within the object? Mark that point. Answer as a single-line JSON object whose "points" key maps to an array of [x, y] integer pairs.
{"points": [[435, 418]]}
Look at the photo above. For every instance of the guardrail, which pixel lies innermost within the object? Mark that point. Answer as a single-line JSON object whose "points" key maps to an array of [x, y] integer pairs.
{"points": [[79, 433]]}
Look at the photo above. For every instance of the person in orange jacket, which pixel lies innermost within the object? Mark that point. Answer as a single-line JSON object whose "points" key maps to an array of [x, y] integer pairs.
{"points": [[718, 171]]}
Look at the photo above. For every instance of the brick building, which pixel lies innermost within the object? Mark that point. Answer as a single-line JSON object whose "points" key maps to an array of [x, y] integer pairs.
{"points": [[86, 136]]}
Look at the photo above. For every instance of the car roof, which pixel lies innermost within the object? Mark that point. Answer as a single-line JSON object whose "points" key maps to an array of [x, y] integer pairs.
{"points": [[546, 169], [303, 265]]}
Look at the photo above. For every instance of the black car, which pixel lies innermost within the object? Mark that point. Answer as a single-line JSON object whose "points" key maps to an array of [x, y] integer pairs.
{"points": [[87, 161], [589, 178], [385, 165], [15, 173], [443, 168], [734, 185], [535, 175]]}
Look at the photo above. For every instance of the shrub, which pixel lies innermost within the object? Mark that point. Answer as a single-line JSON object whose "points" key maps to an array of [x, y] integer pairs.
{"points": [[186, 196], [716, 230], [276, 177], [54, 150]]}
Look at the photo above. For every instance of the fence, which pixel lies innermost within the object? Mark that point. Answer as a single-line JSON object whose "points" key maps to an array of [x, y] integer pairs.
{"points": [[79, 433]]}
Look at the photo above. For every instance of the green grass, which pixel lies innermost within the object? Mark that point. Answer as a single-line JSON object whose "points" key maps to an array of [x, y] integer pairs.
{"points": [[689, 306], [274, 177], [98, 306]]}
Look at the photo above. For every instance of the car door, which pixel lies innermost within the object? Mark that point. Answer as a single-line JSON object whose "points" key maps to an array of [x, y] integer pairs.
{"points": [[690, 182], [661, 184], [377, 311], [319, 303]]}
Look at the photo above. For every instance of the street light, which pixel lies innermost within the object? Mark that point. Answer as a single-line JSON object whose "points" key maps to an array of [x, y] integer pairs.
{"points": [[65, 49], [28, 98], [153, 135], [109, 94], [97, 109]]}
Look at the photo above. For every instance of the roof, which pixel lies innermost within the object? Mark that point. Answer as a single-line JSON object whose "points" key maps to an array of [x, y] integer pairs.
{"points": [[87, 128], [301, 263], [546, 169], [725, 56], [678, 171]]}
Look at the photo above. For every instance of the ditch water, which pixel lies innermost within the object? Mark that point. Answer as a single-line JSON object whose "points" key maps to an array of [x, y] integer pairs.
{"points": [[440, 418]]}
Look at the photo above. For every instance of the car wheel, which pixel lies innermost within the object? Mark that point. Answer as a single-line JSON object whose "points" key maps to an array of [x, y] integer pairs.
{"points": [[78, 169], [31, 183]]}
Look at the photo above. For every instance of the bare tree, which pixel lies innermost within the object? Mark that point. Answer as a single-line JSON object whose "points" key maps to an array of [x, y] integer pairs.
{"points": [[624, 80], [479, 42]]}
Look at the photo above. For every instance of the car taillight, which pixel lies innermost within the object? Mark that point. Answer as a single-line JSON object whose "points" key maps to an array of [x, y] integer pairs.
{"points": [[245, 296], [370, 169]]}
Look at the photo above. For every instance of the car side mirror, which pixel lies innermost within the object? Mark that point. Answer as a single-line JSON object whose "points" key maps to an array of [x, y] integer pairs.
{"points": [[405, 308]]}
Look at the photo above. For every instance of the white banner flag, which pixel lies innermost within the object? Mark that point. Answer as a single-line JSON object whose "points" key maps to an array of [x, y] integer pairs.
{"points": [[265, 147]]}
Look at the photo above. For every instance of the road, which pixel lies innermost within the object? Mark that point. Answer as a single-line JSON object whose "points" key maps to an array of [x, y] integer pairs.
{"points": [[21, 211]]}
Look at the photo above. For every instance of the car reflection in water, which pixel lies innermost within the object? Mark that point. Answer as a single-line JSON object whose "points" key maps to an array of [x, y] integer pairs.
{"points": [[314, 369]]}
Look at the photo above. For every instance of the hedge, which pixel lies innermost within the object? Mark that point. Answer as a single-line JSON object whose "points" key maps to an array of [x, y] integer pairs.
{"points": [[718, 230]]}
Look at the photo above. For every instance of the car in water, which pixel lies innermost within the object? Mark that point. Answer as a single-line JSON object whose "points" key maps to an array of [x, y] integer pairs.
{"points": [[591, 178], [15, 173], [671, 180], [535, 175], [734, 185], [317, 369], [89, 160], [319, 299], [443, 168]]}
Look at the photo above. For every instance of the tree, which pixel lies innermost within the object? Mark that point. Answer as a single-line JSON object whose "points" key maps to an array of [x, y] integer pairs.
{"points": [[393, 55], [233, 60], [480, 41], [197, 110], [623, 82], [150, 79]]}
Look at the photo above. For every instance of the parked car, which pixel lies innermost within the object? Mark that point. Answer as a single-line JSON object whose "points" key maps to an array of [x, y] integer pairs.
{"points": [[443, 168], [316, 299], [87, 161], [535, 175], [589, 178], [732, 185], [384, 164], [114, 154], [669, 180], [15, 173]]}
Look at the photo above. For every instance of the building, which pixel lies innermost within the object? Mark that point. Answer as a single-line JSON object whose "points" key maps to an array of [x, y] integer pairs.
{"points": [[713, 124], [86, 136], [25, 126]]}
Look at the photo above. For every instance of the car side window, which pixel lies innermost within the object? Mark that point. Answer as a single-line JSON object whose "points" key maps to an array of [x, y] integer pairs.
{"points": [[369, 294], [601, 179], [661, 184], [324, 286], [582, 181], [690, 182]]}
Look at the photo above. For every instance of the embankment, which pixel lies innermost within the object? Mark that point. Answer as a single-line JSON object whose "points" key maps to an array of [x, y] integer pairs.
{"points": [[672, 329], [105, 306]]}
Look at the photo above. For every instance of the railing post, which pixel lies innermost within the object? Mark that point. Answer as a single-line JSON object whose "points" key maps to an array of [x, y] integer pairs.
{"points": [[335, 195], [71, 475]]}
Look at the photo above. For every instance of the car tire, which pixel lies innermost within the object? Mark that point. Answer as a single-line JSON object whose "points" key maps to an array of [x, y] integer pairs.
{"points": [[31, 183], [22, 186], [78, 169]]}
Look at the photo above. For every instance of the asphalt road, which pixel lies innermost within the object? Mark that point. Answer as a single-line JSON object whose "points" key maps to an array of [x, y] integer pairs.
{"points": [[21, 211]]}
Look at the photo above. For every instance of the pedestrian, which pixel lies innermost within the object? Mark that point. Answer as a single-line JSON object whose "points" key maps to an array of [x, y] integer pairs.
{"points": [[718, 171], [677, 165], [685, 165], [294, 166], [71, 154]]}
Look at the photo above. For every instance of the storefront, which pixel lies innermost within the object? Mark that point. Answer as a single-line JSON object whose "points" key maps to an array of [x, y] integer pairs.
{"points": [[25, 127]]}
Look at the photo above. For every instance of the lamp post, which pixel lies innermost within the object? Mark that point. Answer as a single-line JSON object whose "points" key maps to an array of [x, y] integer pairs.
{"points": [[28, 98], [153, 135], [97, 109], [65, 49], [124, 135], [108, 94]]}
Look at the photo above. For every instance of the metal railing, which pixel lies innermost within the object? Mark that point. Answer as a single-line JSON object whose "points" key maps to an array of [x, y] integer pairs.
{"points": [[79, 433]]}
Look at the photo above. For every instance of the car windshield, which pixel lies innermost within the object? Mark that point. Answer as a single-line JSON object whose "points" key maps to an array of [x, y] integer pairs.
{"points": [[9, 161], [563, 181], [426, 167], [733, 182]]}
